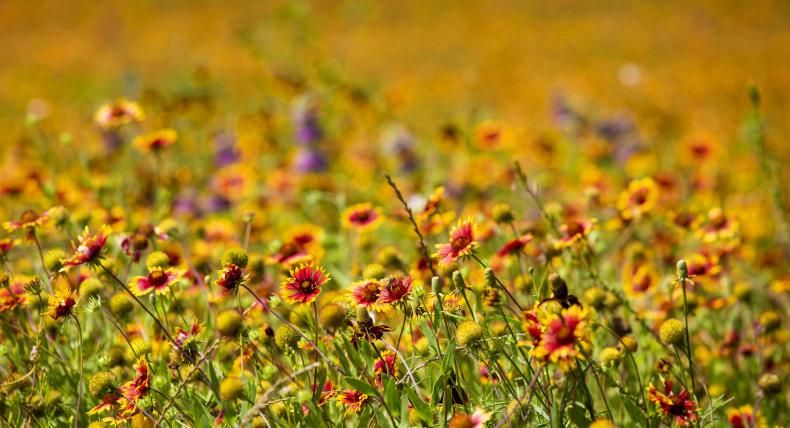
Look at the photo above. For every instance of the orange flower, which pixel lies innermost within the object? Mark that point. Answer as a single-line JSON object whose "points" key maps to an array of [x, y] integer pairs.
{"points": [[462, 242]]}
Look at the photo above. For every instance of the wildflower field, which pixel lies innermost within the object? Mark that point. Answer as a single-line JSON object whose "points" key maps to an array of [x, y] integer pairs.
{"points": [[395, 214]]}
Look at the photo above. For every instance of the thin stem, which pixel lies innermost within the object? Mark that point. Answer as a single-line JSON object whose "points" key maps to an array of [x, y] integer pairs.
{"points": [[423, 247], [79, 385], [688, 338]]}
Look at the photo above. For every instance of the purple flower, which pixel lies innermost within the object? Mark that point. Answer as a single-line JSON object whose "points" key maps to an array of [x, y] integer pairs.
{"points": [[226, 152], [304, 115], [310, 160]]}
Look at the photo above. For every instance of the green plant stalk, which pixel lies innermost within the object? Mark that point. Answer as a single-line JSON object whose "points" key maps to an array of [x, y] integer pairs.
{"points": [[79, 384], [689, 354]]}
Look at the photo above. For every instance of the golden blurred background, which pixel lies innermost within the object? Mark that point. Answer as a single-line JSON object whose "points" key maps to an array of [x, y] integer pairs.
{"points": [[669, 63]]}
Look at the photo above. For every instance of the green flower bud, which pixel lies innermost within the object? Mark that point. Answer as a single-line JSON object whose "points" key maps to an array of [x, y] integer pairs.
{"points": [[436, 285], [490, 277], [683, 270], [458, 281]]}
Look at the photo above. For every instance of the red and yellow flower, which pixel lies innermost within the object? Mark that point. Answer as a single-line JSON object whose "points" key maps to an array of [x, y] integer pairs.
{"points": [[304, 283], [395, 289], [158, 281], [565, 337], [231, 277], [462, 242], [118, 113], [363, 217], [679, 407], [366, 293], [639, 199], [353, 400], [61, 305], [155, 141], [88, 249]]}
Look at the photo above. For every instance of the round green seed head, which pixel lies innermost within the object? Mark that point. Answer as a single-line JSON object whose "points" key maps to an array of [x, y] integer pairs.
{"points": [[469, 332], [231, 389], [630, 344], [285, 337], [101, 384], [157, 259], [595, 297], [770, 321], [683, 269], [121, 304], [770, 384], [52, 259], [229, 322], [610, 356], [140, 347], [502, 213], [91, 287], [672, 332], [235, 255], [374, 271]]}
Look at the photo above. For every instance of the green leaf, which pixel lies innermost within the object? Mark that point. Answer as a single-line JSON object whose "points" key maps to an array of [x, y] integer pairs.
{"points": [[361, 386], [391, 393], [576, 413], [419, 405], [449, 357], [341, 356], [635, 411]]}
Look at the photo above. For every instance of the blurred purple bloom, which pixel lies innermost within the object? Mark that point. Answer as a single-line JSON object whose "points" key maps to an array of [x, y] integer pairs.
{"points": [[310, 160], [226, 152], [304, 115]]}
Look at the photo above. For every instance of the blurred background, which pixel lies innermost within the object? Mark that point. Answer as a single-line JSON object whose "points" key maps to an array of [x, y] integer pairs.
{"points": [[668, 60]]}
